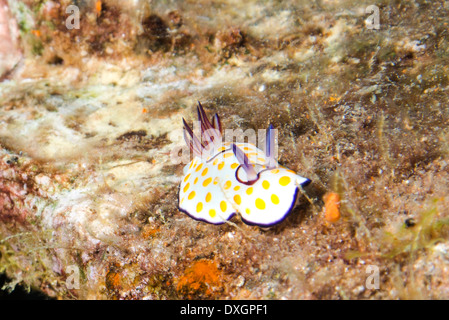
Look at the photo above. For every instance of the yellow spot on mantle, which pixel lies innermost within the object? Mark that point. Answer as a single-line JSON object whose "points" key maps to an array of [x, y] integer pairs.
{"points": [[265, 184], [207, 181], [260, 204], [227, 185], [284, 181], [223, 206]]}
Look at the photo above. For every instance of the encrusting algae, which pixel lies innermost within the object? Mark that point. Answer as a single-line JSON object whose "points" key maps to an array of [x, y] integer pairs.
{"points": [[202, 279], [331, 207]]}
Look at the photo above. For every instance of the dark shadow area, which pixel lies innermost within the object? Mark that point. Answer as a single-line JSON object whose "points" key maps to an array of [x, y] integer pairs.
{"points": [[19, 293]]}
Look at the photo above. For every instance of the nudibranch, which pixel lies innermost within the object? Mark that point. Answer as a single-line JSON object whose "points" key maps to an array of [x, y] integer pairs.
{"points": [[226, 178]]}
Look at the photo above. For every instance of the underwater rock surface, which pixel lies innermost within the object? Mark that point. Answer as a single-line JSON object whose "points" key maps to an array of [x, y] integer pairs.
{"points": [[88, 123]]}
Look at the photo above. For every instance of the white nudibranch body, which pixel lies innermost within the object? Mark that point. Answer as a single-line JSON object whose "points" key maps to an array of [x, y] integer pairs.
{"points": [[228, 178]]}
